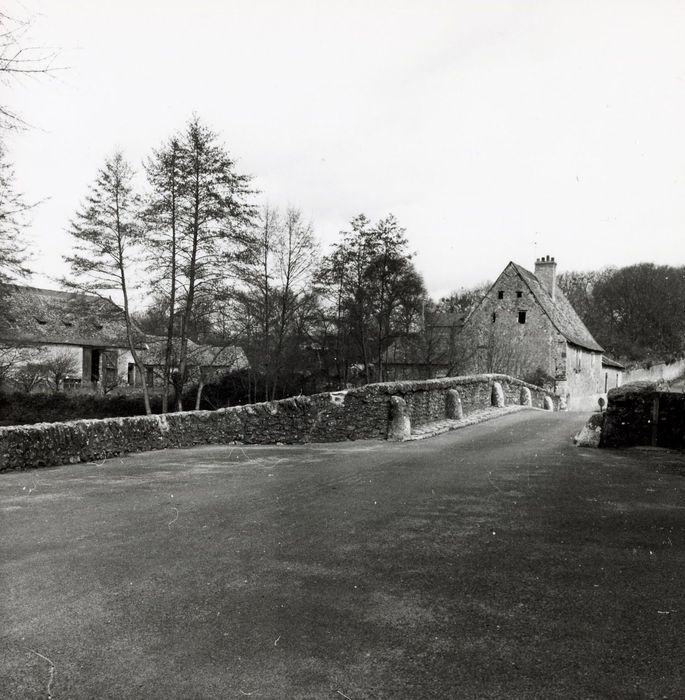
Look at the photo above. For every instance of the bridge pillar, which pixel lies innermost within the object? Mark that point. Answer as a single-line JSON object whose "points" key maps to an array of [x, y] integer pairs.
{"points": [[453, 407], [525, 398], [497, 396], [400, 424]]}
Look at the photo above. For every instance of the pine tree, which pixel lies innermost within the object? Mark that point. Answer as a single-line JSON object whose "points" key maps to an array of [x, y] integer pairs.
{"points": [[105, 233]]}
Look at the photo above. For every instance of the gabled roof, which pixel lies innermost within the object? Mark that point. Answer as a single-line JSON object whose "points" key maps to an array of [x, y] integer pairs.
{"points": [[608, 362], [45, 316], [559, 310], [198, 355]]}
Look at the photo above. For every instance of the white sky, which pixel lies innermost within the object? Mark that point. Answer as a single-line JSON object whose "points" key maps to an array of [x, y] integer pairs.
{"points": [[493, 130]]}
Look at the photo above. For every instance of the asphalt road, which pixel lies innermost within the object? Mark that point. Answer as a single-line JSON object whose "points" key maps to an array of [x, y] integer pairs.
{"points": [[498, 561]]}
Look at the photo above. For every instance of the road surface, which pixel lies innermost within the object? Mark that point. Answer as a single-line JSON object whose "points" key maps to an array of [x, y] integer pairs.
{"points": [[497, 561]]}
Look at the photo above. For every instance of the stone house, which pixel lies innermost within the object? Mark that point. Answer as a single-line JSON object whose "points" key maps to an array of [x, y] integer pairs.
{"points": [[525, 326], [204, 362], [428, 352], [39, 325]]}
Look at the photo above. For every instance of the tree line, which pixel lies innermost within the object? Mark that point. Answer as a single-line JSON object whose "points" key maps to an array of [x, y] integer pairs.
{"points": [[636, 312], [222, 270]]}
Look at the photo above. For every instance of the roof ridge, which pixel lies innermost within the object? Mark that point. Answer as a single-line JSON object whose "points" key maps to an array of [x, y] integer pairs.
{"points": [[562, 309]]}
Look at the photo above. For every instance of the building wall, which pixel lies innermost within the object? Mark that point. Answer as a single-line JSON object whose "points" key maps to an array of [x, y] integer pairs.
{"points": [[584, 379], [81, 356], [504, 344], [612, 378]]}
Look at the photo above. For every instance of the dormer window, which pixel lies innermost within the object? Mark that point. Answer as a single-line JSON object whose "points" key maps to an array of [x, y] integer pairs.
{"points": [[500, 294], [98, 326], [41, 321], [68, 324]]}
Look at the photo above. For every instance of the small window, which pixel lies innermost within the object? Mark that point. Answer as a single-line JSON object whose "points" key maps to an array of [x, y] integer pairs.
{"points": [[522, 316], [519, 295], [98, 326], [68, 324], [500, 295], [42, 321], [494, 316]]}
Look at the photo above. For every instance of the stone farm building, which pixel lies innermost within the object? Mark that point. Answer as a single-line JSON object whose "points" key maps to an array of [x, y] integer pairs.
{"points": [[430, 351], [42, 324], [45, 324], [205, 362], [526, 327]]}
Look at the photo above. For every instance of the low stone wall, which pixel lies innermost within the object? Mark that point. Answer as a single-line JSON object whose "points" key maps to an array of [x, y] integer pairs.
{"points": [[348, 415], [641, 414]]}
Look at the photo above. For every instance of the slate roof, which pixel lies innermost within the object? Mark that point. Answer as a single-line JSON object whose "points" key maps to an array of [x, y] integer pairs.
{"points": [[198, 355], [559, 311], [45, 316], [608, 362]]}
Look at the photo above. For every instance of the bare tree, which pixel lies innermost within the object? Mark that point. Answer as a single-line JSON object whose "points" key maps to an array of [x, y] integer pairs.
{"points": [[13, 210], [58, 367], [297, 256], [17, 59], [13, 357], [28, 376]]}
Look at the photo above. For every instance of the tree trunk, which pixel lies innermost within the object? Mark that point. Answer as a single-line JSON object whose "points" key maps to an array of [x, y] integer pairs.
{"points": [[198, 398]]}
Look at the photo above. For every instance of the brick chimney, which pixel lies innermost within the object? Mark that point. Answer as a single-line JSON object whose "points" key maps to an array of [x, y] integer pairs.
{"points": [[546, 272]]}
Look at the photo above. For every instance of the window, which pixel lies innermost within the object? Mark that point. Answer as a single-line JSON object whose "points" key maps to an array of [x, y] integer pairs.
{"points": [[494, 316], [522, 316], [500, 295], [519, 295], [149, 375]]}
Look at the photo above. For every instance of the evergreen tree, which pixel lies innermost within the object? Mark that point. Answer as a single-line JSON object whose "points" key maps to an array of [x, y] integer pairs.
{"points": [[105, 232]]}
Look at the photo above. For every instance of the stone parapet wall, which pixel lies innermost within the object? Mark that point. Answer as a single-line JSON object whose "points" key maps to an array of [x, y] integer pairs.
{"points": [[640, 414], [331, 417]]}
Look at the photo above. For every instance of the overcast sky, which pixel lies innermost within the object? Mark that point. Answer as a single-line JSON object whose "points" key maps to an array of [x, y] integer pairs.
{"points": [[493, 130]]}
